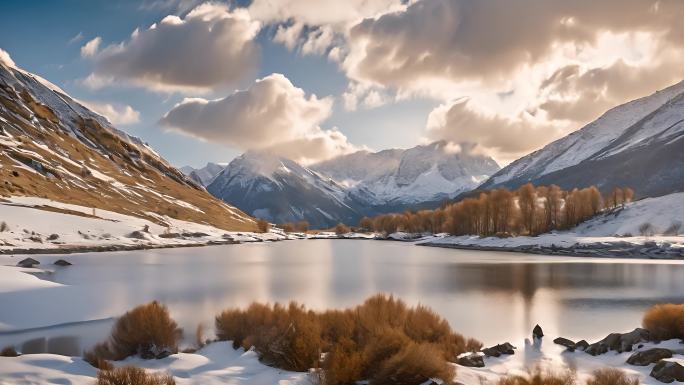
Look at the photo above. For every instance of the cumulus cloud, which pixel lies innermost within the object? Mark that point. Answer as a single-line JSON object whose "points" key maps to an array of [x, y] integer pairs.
{"points": [[6, 59], [535, 70], [502, 138], [272, 114], [116, 114], [321, 12], [210, 48], [90, 48]]}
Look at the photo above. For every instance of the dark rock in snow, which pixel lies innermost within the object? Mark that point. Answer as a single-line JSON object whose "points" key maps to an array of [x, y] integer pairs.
{"points": [[498, 350], [137, 234], [472, 360], [668, 371], [565, 342], [650, 356], [53, 237], [537, 332], [28, 262], [61, 262], [619, 342], [582, 345]]}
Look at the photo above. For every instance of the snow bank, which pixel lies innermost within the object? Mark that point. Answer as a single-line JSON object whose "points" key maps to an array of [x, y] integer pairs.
{"points": [[217, 363]]}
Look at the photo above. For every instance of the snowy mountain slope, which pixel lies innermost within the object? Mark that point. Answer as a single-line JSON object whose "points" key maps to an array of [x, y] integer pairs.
{"points": [[423, 173], [280, 190], [644, 135], [53, 147], [205, 175]]}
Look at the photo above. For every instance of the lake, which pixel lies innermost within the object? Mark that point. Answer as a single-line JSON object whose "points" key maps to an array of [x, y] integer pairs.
{"points": [[492, 296]]}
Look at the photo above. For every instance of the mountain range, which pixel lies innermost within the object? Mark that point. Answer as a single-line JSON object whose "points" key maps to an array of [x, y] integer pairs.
{"points": [[348, 187], [639, 144], [53, 147]]}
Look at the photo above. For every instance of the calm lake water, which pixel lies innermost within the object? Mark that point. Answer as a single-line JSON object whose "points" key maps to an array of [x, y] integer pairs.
{"points": [[492, 296]]}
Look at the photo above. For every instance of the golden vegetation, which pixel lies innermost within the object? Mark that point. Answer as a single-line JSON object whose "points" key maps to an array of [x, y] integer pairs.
{"points": [[130, 375], [541, 377], [300, 227], [665, 321], [147, 330], [528, 210], [263, 226], [64, 166], [380, 340], [612, 376], [341, 228]]}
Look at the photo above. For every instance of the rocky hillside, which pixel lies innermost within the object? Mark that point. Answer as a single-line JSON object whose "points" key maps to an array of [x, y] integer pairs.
{"points": [[638, 144], [53, 147]]}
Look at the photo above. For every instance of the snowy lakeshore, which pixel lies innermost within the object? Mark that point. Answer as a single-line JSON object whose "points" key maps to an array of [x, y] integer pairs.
{"points": [[219, 363]]}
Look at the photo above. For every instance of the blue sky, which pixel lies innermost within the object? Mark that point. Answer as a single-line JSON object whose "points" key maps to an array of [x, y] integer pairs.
{"points": [[385, 73], [46, 37]]}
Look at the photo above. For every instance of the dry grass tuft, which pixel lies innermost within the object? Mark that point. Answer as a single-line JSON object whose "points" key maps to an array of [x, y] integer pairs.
{"points": [[381, 337], [130, 375], [414, 364], [147, 330], [665, 321], [541, 377], [612, 376]]}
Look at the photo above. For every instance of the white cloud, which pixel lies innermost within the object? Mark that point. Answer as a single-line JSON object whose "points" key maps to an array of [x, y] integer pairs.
{"points": [[272, 114], [320, 12], [78, 37], [115, 113], [504, 139], [210, 48], [90, 48], [6, 59]]}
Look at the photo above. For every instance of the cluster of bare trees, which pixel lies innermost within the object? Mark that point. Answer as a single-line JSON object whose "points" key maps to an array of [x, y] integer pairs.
{"points": [[528, 210], [300, 227]]}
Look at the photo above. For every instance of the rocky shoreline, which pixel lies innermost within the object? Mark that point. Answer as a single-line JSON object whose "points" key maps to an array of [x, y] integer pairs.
{"points": [[667, 367], [649, 250]]}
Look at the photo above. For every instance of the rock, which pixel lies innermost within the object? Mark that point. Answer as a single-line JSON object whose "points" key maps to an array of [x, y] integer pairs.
{"points": [[472, 360], [582, 345], [619, 342], [498, 350], [53, 237], [668, 371], [650, 356], [61, 262], [137, 234], [28, 262], [537, 332], [565, 342]]}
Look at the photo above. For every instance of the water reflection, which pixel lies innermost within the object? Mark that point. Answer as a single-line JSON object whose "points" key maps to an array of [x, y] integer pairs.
{"points": [[492, 296]]}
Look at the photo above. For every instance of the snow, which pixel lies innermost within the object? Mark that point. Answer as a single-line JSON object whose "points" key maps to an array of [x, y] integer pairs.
{"points": [[16, 278], [596, 136], [26, 220], [217, 363]]}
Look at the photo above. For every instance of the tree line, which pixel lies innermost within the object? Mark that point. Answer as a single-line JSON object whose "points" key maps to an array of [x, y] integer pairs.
{"points": [[529, 210]]}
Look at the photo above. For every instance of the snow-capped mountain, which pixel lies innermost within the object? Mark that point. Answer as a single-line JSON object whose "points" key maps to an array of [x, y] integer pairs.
{"points": [[281, 190], [348, 187], [639, 144], [205, 175], [53, 147], [431, 172]]}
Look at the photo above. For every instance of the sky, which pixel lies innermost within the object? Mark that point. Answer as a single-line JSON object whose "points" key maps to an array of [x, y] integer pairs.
{"points": [[311, 80]]}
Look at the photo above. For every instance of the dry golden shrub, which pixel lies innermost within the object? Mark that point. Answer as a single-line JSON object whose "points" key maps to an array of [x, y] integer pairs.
{"points": [[612, 376], [130, 375], [413, 365], [665, 321], [367, 342]]}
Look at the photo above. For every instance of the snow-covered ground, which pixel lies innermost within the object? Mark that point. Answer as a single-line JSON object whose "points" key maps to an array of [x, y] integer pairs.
{"points": [[219, 363], [216, 363], [36, 223]]}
